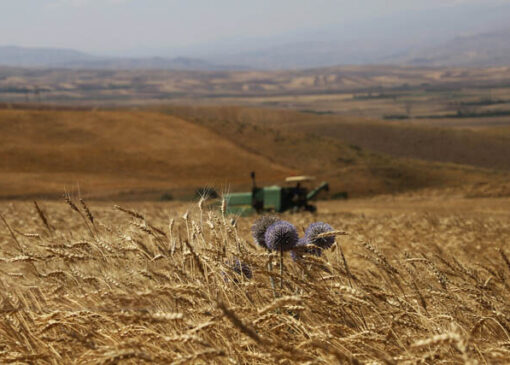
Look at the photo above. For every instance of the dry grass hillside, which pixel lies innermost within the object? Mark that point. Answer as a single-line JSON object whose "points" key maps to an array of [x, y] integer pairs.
{"points": [[481, 147], [107, 152], [461, 146], [141, 154]]}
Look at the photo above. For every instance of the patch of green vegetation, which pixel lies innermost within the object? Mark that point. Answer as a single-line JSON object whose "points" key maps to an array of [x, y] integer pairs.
{"points": [[340, 195], [374, 96], [317, 112], [465, 114], [166, 197], [484, 102], [395, 116]]}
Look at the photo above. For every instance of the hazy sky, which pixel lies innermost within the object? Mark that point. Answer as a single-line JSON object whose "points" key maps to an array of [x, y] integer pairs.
{"points": [[109, 26]]}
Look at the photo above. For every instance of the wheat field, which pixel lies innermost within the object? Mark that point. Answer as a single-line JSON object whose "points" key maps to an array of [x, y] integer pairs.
{"points": [[105, 284]]}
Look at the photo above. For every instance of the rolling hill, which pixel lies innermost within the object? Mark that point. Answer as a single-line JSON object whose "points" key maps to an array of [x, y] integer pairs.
{"points": [[136, 87], [302, 142], [460, 146], [141, 154], [483, 148], [109, 152]]}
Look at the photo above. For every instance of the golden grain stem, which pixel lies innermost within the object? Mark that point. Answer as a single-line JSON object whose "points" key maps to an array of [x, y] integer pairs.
{"points": [[20, 247]]}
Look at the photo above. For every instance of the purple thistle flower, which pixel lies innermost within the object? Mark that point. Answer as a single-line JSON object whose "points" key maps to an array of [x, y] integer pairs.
{"points": [[259, 228], [281, 236], [240, 268], [303, 248], [316, 229]]}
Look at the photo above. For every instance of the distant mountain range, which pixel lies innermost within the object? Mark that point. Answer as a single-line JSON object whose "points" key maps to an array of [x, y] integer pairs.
{"points": [[65, 58], [464, 34], [478, 50], [482, 50], [36, 57]]}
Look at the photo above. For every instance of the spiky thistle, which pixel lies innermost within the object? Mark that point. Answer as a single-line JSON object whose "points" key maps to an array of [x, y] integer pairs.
{"points": [[302, 248], [314, 230], [241, 268], [281, 236], [259, 228]]}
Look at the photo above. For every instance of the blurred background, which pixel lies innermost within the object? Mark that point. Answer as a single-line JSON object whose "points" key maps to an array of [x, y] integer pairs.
{"points": [[159, 100]]}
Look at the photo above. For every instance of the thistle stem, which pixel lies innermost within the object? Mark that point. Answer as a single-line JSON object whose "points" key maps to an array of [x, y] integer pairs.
{"points": [[271, 279], [281, 268]]}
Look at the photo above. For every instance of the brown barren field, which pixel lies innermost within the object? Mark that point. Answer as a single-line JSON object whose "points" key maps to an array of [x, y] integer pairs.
{"points": [[105, 153], [143, 154], [486, 145], [131, 154]]}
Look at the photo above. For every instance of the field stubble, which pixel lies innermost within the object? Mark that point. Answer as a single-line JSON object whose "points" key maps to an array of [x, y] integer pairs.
{"points": [[413, 282]]}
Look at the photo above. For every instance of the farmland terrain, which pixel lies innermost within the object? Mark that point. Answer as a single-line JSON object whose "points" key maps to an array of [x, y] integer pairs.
{"points": [[106, 152], [117, 245], [416, 278], [485, 146], [144, 154], [298, 89], [449, 97], [144, 134], [419, 272]]}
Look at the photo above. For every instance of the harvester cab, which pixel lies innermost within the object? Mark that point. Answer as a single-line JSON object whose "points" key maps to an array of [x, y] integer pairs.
{"points": [[294, 197]]}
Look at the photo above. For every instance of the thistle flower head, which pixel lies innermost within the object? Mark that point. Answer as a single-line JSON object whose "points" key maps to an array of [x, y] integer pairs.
{"points": [[239, 268], [259, 228], [314, 230], [303, 248], [281, 236]]}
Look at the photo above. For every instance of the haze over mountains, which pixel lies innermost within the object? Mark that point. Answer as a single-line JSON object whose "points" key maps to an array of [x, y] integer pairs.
{"points": [[483, 50], [401, 38], [65, 58], [477, 50], [460, 35]]}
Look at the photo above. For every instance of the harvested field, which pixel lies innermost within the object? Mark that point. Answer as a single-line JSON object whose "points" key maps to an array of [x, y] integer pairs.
{"points": [[416, 280], [43, 153], [143, 155]]}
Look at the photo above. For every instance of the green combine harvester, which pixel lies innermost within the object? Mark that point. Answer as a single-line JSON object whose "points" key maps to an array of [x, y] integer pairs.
{"points": [[274, 198]]}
